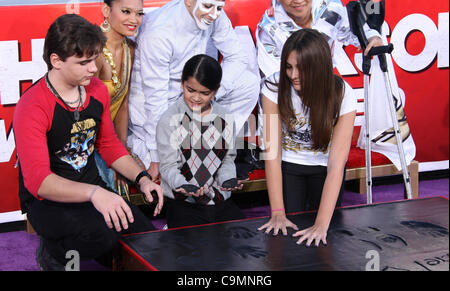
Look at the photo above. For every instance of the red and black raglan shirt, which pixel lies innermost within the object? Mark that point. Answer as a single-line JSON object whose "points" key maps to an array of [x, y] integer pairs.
{"points": [[49, 140]]}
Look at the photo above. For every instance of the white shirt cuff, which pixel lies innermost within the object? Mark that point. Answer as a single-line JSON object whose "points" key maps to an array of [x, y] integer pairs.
{"points": [[154, 156]]}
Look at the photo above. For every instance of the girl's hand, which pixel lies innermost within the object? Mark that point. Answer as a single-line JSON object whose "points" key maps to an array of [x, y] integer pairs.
{"points": [[278, 221], [315, 233]]}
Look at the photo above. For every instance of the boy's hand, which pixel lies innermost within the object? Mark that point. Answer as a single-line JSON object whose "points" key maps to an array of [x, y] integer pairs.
{"points": [[192, 190], [232, 185], [147, 187], [114, 209]]}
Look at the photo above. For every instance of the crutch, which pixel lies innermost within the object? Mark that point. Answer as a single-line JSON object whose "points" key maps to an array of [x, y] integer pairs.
{"points": [[358, 16]]}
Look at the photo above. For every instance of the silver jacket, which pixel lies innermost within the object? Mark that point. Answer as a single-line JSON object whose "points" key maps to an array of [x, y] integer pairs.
{"points": [[328, 16]]}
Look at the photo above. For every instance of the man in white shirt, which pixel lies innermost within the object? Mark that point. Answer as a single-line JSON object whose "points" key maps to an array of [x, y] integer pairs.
{"points": [[169, 37]]}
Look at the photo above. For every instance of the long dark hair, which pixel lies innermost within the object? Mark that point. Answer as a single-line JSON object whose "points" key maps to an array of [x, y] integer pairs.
{"points": [[72, 35], [321, 90], [205, 69]]}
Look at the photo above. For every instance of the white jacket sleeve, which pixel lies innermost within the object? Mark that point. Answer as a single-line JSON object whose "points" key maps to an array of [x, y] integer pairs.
{"points": [[343, 33], [267, 51], [234, 60], [155, 61]]}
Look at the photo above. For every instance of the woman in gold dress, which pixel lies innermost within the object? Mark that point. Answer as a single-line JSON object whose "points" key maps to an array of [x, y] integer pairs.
{"points": [[122, 20]]}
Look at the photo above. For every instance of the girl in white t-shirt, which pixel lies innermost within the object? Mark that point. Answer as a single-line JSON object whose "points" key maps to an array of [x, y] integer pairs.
{"points": [[309, 114]]}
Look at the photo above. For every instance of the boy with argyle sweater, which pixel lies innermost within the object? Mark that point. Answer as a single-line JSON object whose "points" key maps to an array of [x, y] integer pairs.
{"points": [[195, 140]]}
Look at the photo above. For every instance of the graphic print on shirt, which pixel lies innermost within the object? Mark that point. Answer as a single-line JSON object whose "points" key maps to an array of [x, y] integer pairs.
{"points": [[81, 145], [299, 137]]}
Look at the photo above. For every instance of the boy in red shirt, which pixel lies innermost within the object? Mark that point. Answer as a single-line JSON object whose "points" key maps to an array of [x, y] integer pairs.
{"points": [[57, 124]]}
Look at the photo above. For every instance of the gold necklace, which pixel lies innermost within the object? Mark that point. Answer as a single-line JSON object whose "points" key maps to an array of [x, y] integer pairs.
{"points": [[110, 60]]}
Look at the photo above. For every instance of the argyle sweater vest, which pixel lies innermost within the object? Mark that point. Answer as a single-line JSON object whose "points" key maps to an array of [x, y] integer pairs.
{"points": [[203, 149], [196, 150]]}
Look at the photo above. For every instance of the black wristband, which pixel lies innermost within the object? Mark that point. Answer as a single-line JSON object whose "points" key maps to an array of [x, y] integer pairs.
{"points": [[140, 175]]}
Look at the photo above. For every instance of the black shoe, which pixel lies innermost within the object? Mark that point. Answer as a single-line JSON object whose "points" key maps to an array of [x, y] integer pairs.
{"points": [[45, 261], [247, 160], [254, 159], [242, 170], [251, 157]]}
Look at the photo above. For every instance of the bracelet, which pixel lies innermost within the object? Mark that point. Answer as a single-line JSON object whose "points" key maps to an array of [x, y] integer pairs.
{"points": [[92, 192], [140, 175], [276, 210]]}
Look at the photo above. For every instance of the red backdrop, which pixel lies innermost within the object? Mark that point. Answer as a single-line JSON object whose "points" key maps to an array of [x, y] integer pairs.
{"points": [[427, 90]]}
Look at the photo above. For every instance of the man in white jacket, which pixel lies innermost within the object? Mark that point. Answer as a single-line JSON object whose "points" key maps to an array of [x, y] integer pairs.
{"points": [[169, 37], [287, 16]]}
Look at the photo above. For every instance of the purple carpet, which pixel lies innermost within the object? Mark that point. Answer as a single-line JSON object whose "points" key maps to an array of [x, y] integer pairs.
{"points": [[17, 249], [385, 193]]}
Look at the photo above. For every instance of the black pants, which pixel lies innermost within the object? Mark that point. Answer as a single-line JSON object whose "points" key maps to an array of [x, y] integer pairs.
{"points": [[303, 185], [79, 227], [181, 213]]}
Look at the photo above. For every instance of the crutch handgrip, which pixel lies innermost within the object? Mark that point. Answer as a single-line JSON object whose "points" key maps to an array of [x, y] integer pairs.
{"points": [[379, 50]]}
